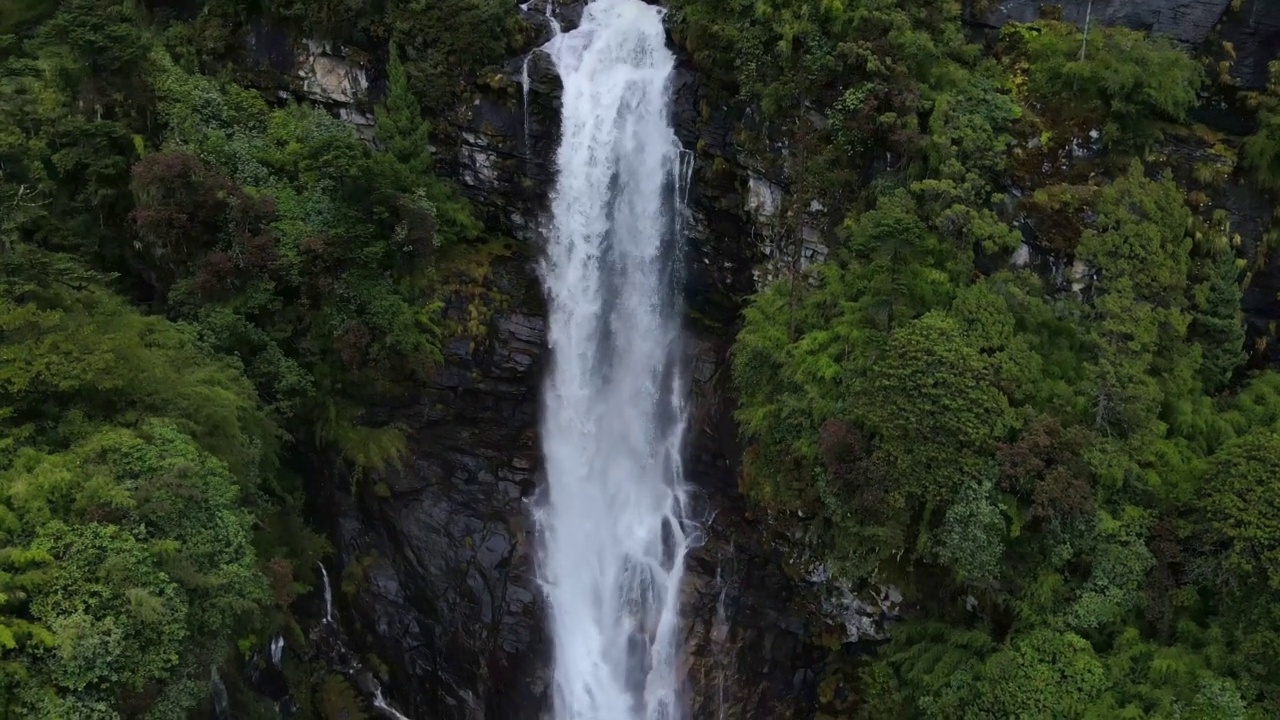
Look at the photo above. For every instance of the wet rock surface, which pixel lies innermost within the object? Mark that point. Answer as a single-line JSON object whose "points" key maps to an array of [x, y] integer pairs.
{"points": [[1252, 28], [1254, 34], [437, 564], [1188, 21], [436, 559]]}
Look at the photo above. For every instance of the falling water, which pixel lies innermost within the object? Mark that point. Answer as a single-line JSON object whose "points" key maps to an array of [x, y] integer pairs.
{"points": [[613, 526], [277, 651], [221, 703], [380, 704], [556, 30], [328, 594], [524, 89]]}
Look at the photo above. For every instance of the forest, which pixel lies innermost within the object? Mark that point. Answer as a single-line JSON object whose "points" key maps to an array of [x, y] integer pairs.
{"points": [[200, 289], [1075, 480], [1074, 473]]}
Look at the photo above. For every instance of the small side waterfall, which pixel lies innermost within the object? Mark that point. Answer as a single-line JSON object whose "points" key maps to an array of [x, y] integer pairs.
{"points": [[221, 703], [277, 651], [348, 663], [328, 594], [524, 89], [556, 31], [613, 527], [381, 705]]}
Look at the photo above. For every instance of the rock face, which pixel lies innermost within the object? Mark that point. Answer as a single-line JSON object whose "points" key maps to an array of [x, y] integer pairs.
{"points": [[1253, 29], [438, 573], [1188, 21], [1254, 32]]}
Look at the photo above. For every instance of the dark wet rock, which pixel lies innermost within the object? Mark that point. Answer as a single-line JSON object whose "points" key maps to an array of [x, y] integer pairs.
{"points": [[1254, 34], [436, 564], [436, 558], [1188, 21], [1253, 29]]}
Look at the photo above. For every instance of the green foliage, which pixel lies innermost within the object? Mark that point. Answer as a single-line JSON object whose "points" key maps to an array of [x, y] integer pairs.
{"points": [[934, 405], [1119, 81], [965, 152], [1241, 510], [970, 539], [401, 131], [1261, 151], [1041, 674], [1054, 474], [150, 504], [845, 81], [448, 42], [1140, 239], [127, 458], [1218, 324], [337, 700], [304, 196]]}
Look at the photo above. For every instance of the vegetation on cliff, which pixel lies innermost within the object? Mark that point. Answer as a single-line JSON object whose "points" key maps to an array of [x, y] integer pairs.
{"points": [[199, 286], [1069, 473], [1072, 472]]}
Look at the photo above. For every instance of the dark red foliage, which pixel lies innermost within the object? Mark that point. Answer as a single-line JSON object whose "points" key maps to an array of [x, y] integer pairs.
{"points": [[259, 254], [215, 274], [1166, 576], [180, 208], [251, 213], [313, 245], [1045, 466], [279, 573], [846, 456], [353, 344], [841, 446]]}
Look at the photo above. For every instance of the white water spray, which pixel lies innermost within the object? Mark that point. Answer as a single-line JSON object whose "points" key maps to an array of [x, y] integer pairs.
{"points": [[524, 103], [277, 651], [328, 594], [556, 30], [613, 526], [221, 702]]}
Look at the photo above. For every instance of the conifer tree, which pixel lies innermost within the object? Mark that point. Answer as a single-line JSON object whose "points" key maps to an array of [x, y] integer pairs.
{"points": [[1217, 325], [401, 131]]}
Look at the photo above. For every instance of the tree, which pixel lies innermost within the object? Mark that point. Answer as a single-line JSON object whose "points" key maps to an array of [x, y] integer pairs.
{"points": [[1126, 85], [1261, 151], [1241, 509], [404, 135], [902, 268], [1218, 326], [934, 408]]}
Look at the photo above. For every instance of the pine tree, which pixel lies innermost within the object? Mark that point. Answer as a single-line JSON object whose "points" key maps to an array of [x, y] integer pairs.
{"points": [[1217, 327], [401, 131]]}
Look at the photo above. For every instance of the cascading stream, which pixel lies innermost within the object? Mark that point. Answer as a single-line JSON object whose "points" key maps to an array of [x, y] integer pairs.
{"points": [[613, 532]]}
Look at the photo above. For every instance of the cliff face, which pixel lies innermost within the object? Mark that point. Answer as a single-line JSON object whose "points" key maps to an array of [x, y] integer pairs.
{"points": [[1252, 28], [438, 576]]}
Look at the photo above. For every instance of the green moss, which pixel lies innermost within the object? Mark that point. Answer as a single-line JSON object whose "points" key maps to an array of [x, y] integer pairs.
{"points": [[354, 574], [337, 700], [468, 276]]}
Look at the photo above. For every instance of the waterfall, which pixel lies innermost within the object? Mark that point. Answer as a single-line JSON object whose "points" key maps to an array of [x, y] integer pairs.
{"points": [[221, 703], [328, 594], [524, 65], [524, 103], [277, 651], [381, 705], [611, 520]]}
